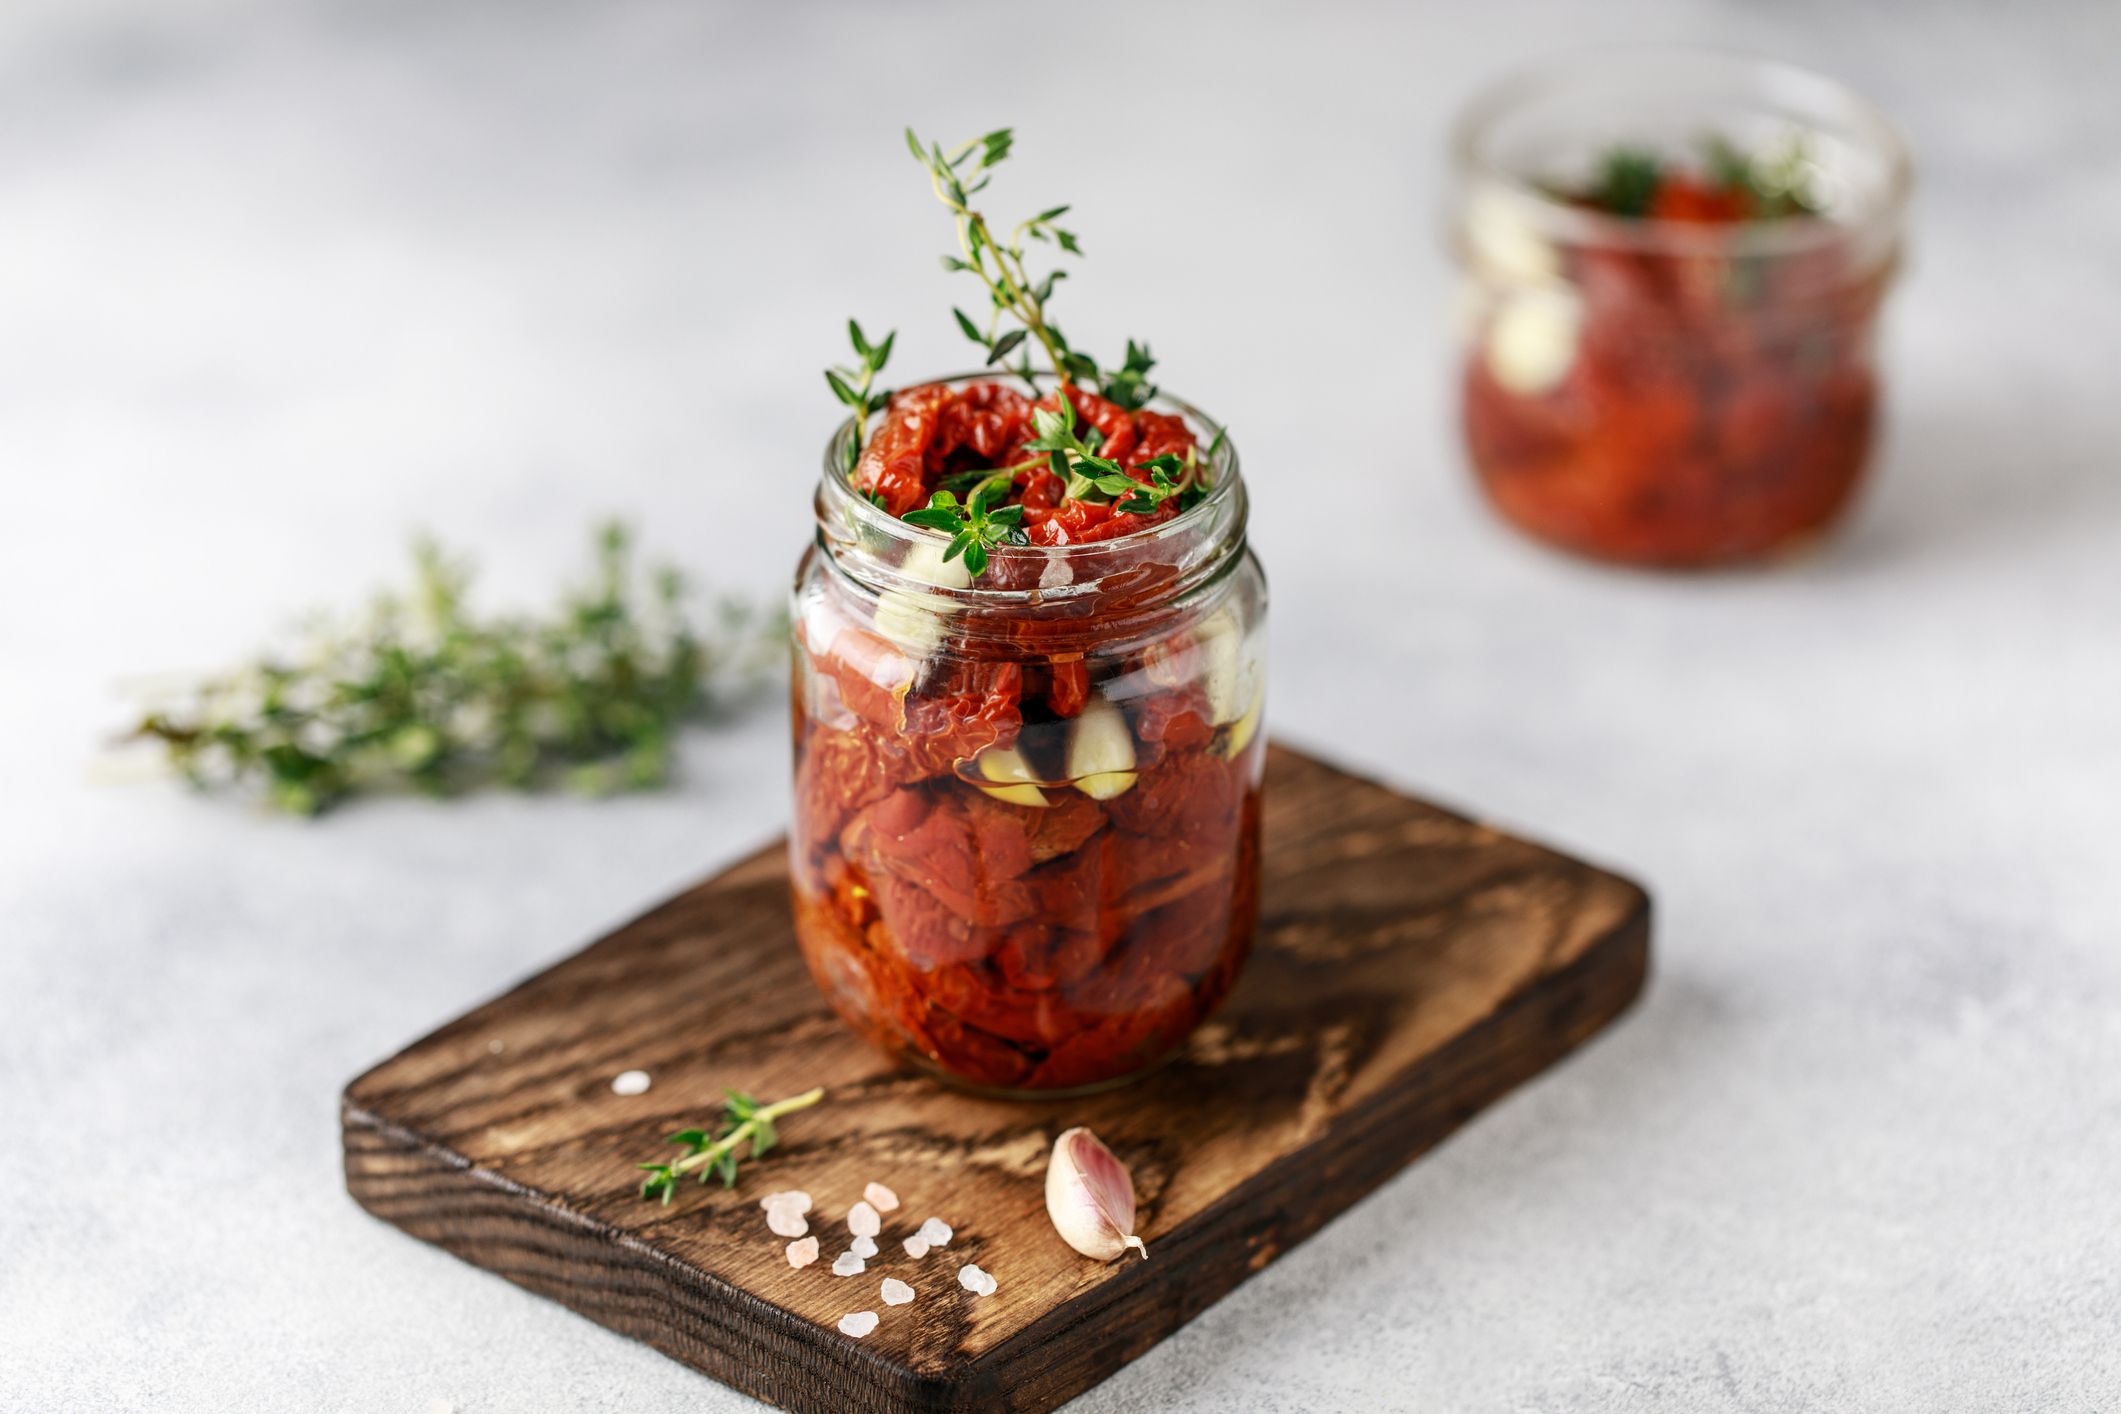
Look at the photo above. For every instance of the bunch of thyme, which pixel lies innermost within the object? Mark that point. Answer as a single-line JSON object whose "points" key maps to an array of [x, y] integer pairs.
{"points": [[421, 694]]}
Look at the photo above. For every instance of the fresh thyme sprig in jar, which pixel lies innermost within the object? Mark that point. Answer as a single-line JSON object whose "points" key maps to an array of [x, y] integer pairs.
{"points": [[1030, 643]]}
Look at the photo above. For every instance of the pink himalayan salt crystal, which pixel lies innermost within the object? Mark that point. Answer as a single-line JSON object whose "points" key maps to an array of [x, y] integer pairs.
{"points": [[863, 1247], [847, 1264], [858, 1323], [916, 1246], [880, 1198], [896, 1292], [974, 1280], [787, 1222], [802, 1254], [795, 1200], [862, 1220]]}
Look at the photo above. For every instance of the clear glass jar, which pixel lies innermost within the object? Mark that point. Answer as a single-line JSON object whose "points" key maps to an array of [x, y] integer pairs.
{"points": [[1025, 846], [1665, 391]]}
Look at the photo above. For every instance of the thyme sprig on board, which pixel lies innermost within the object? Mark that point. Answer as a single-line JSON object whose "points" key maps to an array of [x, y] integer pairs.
{"points": [[744, 1122]]}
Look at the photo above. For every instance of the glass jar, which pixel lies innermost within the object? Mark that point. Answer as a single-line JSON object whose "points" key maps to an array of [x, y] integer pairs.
{"points": [[1665, 391], [1025, 847]]}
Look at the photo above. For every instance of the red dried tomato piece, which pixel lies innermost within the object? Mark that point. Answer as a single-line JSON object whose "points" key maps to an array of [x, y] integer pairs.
{"points": [[894, 464], [1684, 198], [1160, 434], [991, 419], [1068, 686]]}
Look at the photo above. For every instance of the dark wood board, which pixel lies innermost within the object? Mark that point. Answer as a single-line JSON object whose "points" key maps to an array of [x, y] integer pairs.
{"points": [[1412, 966]]}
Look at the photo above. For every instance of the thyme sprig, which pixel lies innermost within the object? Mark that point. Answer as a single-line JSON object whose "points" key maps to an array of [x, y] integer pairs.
{"points": [[744, 1122], [1003, 269], [856, 386], [973, 525], [422, 694], [1090, 477], [1775, 184]]}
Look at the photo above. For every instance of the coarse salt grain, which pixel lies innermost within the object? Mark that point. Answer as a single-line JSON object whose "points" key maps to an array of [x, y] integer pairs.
{"points": [[974, 1280], [916, 1246], [630, 1082], [802, 1254], [896, 1292], [863, 1247], [847, 1264], [935, 1232], [858, 1323], [880, 1197], [787, 1222], [862, 1220], [794, 1199]]}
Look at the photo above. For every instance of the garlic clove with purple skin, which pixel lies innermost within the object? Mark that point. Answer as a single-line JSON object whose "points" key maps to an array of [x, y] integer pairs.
{"points": [[1090, 1197]]}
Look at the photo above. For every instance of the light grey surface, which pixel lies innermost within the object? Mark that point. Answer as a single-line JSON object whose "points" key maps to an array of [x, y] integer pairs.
{"points": [[279, 284]]}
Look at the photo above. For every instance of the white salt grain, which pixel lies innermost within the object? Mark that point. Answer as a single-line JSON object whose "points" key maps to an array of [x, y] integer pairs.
{"points": [[935, 1232], [795, 1200], [916, 1246], [630, 1082], [858, 1323], [496, 1046], [880, 1197], [802, 1254], [787, 1222], [862, 1220], [975, 1281], [847, 1264], [863, 1247], [896, 1292]]}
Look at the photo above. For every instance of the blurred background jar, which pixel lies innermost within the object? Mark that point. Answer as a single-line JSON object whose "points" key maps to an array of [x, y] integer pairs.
{"points": [[1675, 262]]}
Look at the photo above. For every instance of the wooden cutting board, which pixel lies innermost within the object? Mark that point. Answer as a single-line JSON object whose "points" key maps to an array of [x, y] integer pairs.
{"points": [[1412, 966]]}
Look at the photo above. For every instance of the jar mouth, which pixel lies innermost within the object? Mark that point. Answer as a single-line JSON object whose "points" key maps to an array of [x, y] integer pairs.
{"points": [[1588, 102], [873, 547]]}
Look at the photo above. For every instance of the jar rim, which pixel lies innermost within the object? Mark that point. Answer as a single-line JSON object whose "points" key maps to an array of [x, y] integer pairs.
{"points": [[1217, 520], [1773, 86]]}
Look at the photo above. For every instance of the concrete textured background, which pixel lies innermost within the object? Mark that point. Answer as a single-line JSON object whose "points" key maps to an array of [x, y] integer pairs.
{"points": [[280, 283]]}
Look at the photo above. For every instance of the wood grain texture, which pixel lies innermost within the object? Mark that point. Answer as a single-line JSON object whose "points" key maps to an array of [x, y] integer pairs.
{"points": [[1412, 966]]}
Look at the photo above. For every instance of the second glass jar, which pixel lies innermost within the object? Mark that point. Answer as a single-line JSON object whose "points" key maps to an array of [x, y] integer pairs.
{"points": [[1666, 391]]}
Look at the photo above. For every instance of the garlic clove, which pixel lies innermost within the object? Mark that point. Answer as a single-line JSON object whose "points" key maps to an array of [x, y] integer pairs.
{"points": [[1101, 751], [1007, 764], [914, 620], [1090, 1197], [1246, 727], [1504, 246], [1229, 667], [1532, 342]]}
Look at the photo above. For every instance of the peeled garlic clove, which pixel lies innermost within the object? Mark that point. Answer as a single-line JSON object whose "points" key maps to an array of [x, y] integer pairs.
{"points": [[1222, 668], [1090, 1197], [1007, 764], [1246, 727], [914, 620], [1532, 342], [1101, 751], [1503, 244]]}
